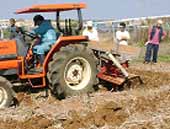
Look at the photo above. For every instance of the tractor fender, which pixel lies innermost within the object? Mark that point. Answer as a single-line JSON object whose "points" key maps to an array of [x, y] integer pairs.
{"points": [[62, 41]]}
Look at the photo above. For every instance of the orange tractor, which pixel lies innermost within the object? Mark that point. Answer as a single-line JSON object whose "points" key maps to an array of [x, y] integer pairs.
{"points": [[71, 67]]}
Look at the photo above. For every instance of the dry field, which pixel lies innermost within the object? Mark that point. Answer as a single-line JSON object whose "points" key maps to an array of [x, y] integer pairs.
{"points": [[145, 106]]}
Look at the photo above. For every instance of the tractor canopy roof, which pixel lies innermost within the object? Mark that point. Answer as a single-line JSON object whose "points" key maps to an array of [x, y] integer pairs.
{"points": [[51, 8]]}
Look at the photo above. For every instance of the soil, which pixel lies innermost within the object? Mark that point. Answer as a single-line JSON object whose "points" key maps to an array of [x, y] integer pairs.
{"points": [[145, 106]]}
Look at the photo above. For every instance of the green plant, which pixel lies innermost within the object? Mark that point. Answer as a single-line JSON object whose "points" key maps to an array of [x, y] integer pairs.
{"points": [[141, 44], [6, 33], [164, 58]]}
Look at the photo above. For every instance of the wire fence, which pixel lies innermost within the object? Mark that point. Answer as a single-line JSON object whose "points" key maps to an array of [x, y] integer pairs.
{"points": [[138, 33]]}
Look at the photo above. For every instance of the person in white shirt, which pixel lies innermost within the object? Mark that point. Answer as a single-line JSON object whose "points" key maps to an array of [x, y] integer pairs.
{"points": [[91, 32], [122, 35]]}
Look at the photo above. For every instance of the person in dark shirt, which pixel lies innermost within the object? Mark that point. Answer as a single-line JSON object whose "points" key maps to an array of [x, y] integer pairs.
{"points": [[155, 36], [12, 29]]}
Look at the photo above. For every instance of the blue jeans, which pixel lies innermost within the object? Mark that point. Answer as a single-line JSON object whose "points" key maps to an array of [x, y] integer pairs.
{"points": [[40, 49], [151, 50]]}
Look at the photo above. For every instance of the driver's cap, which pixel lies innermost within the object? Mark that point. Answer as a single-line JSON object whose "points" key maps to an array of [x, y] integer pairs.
{"points": [[37, 18]]}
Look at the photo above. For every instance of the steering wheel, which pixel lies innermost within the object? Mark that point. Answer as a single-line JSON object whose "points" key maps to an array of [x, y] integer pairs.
{"points": [[26, 33], [34, 37], [31, 35]]}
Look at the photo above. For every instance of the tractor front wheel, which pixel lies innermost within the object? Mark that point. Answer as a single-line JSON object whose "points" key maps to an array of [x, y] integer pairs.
{"points": [[6, 94]]}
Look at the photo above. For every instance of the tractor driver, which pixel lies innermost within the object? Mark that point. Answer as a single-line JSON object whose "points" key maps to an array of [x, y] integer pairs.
{"points": [[47, 37]]}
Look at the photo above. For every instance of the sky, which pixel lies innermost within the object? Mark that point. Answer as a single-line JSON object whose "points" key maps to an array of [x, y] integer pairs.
{"points": [[96, 9]]}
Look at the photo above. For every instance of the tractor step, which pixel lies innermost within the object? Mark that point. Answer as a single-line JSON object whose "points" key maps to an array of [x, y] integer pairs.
{"points": [[35, 70], [32, 76]]}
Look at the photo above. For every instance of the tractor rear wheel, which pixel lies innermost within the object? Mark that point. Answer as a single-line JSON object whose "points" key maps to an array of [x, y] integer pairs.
{"points": [[6, 94], [72, 71]]}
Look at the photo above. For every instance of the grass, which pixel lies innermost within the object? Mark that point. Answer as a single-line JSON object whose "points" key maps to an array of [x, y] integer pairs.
{"points": [[161, 58], [164, 58], [164, 53]]}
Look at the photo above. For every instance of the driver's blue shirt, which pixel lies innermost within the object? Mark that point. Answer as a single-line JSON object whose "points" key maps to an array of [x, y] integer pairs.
{"points": [[47, 37]]}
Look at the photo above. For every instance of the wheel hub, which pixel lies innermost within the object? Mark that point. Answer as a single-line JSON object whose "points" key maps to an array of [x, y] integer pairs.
{"points": [[74, 73], [77, 73]]}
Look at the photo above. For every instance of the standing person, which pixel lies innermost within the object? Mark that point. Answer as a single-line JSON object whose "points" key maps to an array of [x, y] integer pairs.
{"points": [[122, 35], [12, 28], [155, 35], [47, 37], [91, 32], [15, 31]]}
